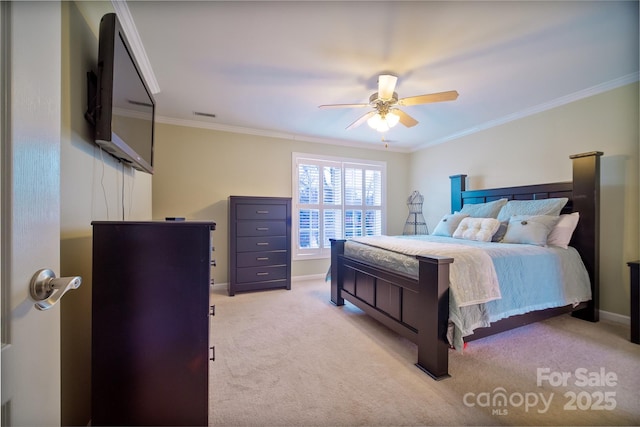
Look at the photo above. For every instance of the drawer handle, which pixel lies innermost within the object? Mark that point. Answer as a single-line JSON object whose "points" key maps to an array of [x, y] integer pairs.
{"points": [[262, 274], [262, 258], [262, 243], [262, 228], [262, 212]]}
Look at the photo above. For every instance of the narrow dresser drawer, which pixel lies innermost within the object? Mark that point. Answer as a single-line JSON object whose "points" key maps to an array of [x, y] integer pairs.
{"points": [[259, 274], [256, 259], [267, 243], [249, 211], [261, 228]]}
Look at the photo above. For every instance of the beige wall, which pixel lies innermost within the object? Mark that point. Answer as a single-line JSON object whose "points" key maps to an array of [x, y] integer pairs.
{"points": [[536, 149], [196, 170], [91, 189]]}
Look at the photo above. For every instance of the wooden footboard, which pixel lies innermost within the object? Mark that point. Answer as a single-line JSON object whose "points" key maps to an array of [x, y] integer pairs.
{"points": [[415, 309]]}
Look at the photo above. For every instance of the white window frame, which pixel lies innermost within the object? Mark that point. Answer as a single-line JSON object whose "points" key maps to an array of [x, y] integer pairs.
{"points": [[319, 253]]}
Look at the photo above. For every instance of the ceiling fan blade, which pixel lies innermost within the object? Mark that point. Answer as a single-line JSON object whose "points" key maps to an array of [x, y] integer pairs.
{"points": [[343, 105], [405, 119], [361, 120], [431, 97], [386, 86]]}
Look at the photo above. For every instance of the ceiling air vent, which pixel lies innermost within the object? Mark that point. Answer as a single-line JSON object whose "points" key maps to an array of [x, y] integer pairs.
{"points": [[198, 113]]}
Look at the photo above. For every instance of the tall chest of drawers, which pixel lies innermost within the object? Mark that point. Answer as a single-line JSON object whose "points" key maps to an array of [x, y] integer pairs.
{"points": [[259, 243], [150, 323]]}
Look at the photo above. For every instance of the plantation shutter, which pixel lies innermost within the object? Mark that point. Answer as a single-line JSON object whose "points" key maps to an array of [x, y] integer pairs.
{"points": [[334, 199]]}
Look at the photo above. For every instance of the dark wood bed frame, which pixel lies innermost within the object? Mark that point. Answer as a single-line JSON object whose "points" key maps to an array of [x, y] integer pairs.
{"points": [[419, 309]]}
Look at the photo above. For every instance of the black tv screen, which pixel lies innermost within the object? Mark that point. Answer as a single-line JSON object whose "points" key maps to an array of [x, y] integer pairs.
{"points": [[125, 108]]}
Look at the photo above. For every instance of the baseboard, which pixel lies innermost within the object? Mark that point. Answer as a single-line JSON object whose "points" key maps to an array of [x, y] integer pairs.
{"points": [[320, 276], [615, 317], [219, 285]]}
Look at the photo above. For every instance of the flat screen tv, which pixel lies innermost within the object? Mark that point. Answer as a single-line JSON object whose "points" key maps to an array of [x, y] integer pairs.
{"points": [[124, 111]]}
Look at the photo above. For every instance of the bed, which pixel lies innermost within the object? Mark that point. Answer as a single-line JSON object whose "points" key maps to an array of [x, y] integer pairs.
{"points": [[411, 294]]}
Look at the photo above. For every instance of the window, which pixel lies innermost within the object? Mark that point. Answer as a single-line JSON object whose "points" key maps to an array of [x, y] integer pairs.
{"points": [[335, 198]]}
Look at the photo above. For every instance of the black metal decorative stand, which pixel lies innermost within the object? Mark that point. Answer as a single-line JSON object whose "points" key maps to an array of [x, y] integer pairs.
{"points": [[415, 221]]}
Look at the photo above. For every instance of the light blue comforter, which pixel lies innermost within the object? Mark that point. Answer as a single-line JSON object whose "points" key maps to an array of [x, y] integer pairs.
{"points": [[530, 278]]}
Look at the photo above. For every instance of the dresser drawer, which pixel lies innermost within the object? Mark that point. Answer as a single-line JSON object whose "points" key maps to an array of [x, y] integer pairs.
{"points": [[265, 211], [261, 228], [259, 274], [267, 243], [256, 259]]}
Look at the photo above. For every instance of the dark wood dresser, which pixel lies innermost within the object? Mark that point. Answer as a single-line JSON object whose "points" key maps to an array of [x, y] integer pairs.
{"points": [[259, 243], [635, 300], [150, 323]]}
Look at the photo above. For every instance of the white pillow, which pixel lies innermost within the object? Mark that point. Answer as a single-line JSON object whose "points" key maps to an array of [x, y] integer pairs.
{"points": [[562, 232], [530, 229], [480, 229], [448, 224]]}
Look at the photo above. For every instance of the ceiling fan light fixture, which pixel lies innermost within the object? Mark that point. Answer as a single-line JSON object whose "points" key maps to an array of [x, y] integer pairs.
{"points": [[383, 126], [392, 118], [383, 123], [374, 120], [384, 114]]}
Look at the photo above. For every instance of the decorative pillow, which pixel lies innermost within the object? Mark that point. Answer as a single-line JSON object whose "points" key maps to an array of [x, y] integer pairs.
{"points": [[530, 229], [481, 229], [532, 207], [499, 234], [562, 232], [448, 224], [484, 210]]}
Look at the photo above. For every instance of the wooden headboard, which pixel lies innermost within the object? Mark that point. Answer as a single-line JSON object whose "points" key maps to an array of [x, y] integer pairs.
{"points": [[583, 193]]}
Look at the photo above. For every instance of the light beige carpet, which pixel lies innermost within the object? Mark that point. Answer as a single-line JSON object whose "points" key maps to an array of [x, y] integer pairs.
{"points": [[291, 358]]}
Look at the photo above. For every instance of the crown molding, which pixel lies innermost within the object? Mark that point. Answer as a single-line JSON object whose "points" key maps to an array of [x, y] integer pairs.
{"points": [[576, 96], [281, 135], [128, 25], [594, 90]]}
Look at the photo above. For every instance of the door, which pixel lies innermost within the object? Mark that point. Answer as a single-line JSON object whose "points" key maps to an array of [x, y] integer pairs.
{"points": [[30, 84]]}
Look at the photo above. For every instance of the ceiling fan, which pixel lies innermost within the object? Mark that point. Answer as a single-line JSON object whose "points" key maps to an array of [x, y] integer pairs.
{"points": [[384, 102]]}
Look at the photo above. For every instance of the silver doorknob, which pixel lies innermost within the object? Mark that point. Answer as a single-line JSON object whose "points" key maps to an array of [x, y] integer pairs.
{"points": [[47, 290]]}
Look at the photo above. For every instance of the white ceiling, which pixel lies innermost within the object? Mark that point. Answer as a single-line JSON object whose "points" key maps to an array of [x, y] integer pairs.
{"points": [[264, 67]]}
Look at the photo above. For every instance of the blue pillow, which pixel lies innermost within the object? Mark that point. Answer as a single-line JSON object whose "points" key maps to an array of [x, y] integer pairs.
{"points": [[484, 210], [448, 224], [530, 229], [502, 230], [532, 207]]}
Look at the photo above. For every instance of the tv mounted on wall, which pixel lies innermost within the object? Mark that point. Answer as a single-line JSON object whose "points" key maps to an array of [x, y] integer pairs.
{"points": [[124, 112]]}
